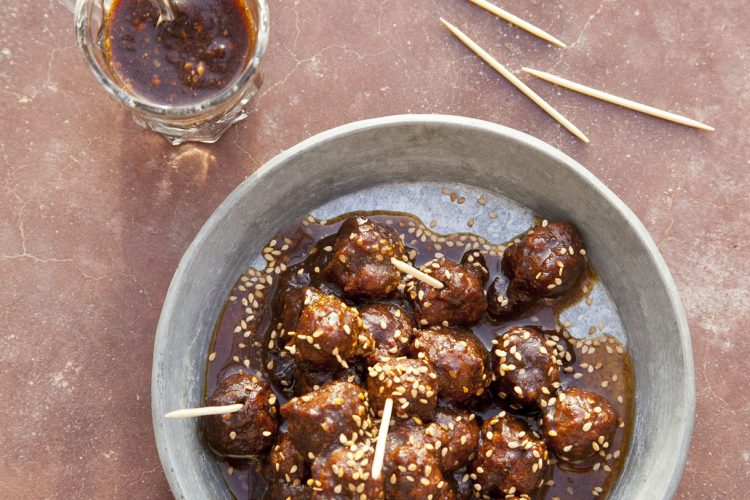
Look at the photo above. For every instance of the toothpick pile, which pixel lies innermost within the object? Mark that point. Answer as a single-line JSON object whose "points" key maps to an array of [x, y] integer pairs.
{"points": [[562, 82]]}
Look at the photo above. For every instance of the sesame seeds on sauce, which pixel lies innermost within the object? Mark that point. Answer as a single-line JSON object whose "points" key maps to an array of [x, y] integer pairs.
{"points": [[250, 336]]}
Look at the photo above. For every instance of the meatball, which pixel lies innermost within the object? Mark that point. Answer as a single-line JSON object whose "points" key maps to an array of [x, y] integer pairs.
{"points": [[361, 260], [335, 413], [329, 333], [506, 301], [455, 436], [307, 379], [250, 431], [411, 467], [578, 424], [525, 368], [458, 357], [285, 463], [460, 302], [511, 460], [391, 328], [411, 383], [547, 261], [344, 473]]}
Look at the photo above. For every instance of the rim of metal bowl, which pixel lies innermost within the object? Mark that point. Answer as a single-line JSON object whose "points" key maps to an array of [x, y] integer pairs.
{"points": [[526, 140]]}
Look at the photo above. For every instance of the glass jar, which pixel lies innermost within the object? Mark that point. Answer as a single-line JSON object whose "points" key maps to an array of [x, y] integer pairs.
{"points": [[204, 121]]}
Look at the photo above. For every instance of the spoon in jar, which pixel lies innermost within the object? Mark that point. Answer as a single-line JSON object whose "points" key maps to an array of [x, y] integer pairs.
{"points": [[166, 10]]}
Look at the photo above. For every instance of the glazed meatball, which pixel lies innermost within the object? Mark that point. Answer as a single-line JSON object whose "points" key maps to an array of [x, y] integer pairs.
{"points": [[511, 460], [250, 431], [410, 467], [578, 424], [506, 301], [329, 333], [547, 261], [455, 436], [411, 383], [525, 368], [458, 357], [391, 328], [345, 473], [361, 260], [336, 413], [460, 302], [285, 463], [307, 379]]}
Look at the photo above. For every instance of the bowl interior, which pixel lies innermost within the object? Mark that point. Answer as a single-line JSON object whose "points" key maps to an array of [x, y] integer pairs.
{"points": [[407, 151]]}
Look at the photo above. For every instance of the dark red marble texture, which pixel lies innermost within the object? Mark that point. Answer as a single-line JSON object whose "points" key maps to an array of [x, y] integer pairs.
{"points": [[96, 212]]}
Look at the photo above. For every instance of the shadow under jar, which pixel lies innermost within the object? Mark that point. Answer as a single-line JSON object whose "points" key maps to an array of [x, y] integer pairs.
{"points": [[189, 79]]}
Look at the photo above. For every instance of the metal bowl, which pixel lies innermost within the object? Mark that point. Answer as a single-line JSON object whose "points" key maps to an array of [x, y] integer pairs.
{"points": [[427, 149]]}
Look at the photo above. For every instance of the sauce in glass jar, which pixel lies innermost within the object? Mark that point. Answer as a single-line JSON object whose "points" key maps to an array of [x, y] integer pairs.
{"points": [[184, 61]]}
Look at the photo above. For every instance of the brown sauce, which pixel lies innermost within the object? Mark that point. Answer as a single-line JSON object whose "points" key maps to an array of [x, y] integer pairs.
{"points": [[184, 61], [245, 333]]}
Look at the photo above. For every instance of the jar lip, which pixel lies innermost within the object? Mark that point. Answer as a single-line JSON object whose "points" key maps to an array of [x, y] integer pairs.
{"points": [[133, 102]]}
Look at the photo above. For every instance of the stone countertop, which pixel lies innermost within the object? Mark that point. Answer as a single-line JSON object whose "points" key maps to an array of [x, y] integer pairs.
{"points": [[95, 212]]}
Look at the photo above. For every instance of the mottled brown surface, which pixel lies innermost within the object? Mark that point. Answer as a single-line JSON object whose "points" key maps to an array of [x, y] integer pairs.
{"points": [[95, 212]]}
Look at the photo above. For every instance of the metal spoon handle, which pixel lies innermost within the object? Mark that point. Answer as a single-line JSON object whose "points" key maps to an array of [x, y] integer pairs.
{"points": [[166, 12]]}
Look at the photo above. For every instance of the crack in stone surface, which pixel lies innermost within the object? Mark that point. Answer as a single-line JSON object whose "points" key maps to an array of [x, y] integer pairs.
{"points": [[585, 28]]}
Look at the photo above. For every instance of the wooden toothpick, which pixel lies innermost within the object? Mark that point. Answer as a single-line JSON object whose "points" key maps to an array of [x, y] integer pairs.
{"points": [[525, 25], [377, 461], [515, 81], [416, 273], [620, 101], [203, 411]]}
